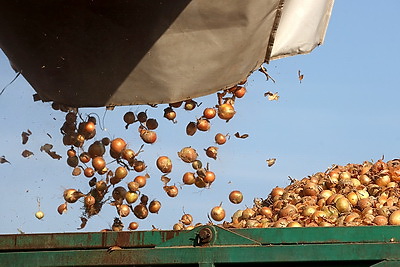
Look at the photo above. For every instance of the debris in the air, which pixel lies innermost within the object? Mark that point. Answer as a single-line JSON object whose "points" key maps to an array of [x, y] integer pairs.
{"points": [[26, 153], [301, 76], [3, 160], [83, 223], [272, 96], [271, 162], [243, 136], [25, 136], [264, 70]]}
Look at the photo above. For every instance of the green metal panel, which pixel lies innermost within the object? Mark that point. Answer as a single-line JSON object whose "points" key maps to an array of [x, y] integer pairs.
{"points": [[208, 246]]}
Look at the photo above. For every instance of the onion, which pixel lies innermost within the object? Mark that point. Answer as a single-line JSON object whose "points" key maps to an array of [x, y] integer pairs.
{"points": [[151, 124], [176, 104], [131, 197], [88, 172], [139, 166], [98, 163], [129, 117], [252, 224], [248, 213], [343, 204], [84, 157], [118, 145], [70, 117], [364, 203], [71, 152], [394, 218], [172, 191], [72, 195], [383, 180], [217, 213], [203, 125], [288, 211], [277, 191], [148, 136], [310, 189], [119, 193], [128, 154], [209, 113], [140, 211], [188, 178], [325, 194], [76, 171], [124, 210], [187, 219], [142, 116], [294, 224], [240, 91], [178, 227], [197, 164], [133, 186], [188, 154], [101, 185], [121, 173], [62, 208], [154, 206], [96, 149], [209, 177], [220, 138], [190, 104], [344, 175], [169, 114], [105, 141], [199, 182], [236, 197], [212, 152], [164, 164], [73, 161], [133, 226], [39, 214], [266, 211], [89, 201], [353, 198], [309, 211], [380, 220], [144, 199], [226, 111]]}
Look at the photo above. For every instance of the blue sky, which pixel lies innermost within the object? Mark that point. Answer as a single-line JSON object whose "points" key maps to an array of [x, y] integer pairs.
{"points": [[344, 111]]}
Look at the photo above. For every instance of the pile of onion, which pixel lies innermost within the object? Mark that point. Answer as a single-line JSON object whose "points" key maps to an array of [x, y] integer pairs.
{"points": [[350, 195]]}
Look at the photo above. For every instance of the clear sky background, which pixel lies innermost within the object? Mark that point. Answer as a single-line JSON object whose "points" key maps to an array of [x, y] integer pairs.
{"points": [[344, 111]]}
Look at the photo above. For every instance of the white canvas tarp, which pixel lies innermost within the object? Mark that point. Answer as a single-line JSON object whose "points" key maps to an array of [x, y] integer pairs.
{"points": [[101, 53]]}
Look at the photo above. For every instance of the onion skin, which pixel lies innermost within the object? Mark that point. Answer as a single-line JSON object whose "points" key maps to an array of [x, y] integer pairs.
{"points": [[62, 208]]}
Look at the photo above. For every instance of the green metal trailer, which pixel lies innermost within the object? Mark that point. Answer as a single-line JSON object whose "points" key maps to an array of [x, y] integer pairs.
{"points": [[208, 245]]}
